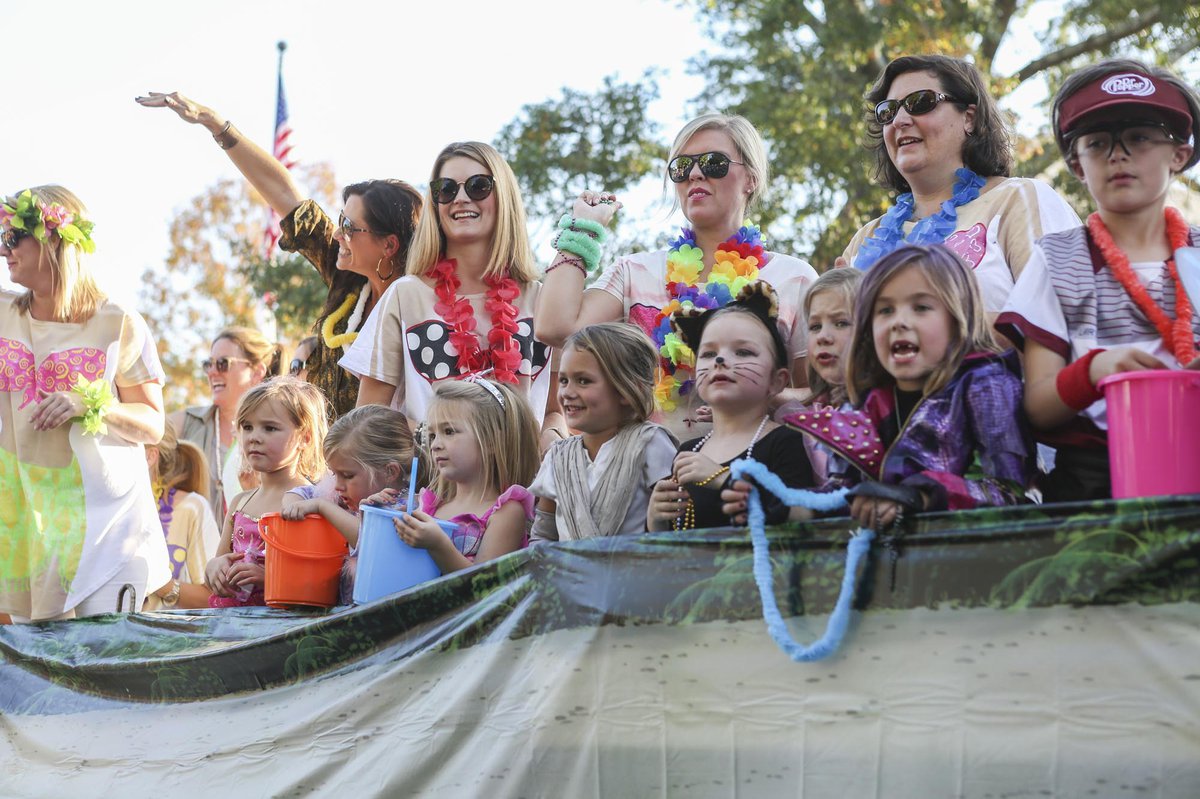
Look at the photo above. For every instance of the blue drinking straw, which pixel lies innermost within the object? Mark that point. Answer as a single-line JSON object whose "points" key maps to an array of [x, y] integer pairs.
{"points": [[412, 485]]}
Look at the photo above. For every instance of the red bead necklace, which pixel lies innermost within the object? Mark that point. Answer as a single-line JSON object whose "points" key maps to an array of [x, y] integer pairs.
{"points": [[504, 353]]}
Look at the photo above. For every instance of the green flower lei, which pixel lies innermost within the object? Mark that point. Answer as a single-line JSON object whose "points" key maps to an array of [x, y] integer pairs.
{"points": [[38, 219]]}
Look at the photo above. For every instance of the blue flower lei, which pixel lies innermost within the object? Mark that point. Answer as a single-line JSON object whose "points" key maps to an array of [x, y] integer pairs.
{"points": [[933, 229]]}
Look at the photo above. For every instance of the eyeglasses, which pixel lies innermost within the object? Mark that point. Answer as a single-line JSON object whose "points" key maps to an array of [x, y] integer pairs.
{"points": [[220, 364], [712, 165], [1135, 139], [12, 237], [922, 101], [446, 189], [348, 229]]}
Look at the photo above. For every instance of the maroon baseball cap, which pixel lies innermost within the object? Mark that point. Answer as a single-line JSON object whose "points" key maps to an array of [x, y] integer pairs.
{"points": [[1126, 94]]}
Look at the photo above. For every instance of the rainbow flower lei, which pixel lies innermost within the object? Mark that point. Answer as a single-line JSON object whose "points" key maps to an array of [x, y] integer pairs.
{"points": [[736, 263], [30, 214]]}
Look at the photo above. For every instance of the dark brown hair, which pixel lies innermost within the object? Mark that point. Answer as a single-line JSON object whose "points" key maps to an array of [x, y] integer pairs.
{"points": [[987, 151]]}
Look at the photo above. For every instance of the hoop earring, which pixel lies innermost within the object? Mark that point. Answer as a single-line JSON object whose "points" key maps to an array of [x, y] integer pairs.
{"points": [[390, 273]]}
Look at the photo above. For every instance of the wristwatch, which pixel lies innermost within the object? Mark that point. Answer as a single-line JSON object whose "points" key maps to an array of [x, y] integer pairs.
{"points": [[172, 597]]}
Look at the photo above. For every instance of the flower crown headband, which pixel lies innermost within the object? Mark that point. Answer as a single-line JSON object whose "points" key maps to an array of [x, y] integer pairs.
{"points": [[39, 220]]}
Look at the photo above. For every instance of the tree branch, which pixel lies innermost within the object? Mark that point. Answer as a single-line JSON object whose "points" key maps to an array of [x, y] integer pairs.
{"points": [[996, 29], [1182, 49], [1090, 44]]}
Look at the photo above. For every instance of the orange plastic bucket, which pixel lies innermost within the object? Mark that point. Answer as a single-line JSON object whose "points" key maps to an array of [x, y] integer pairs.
{"points": [[304, 560]]}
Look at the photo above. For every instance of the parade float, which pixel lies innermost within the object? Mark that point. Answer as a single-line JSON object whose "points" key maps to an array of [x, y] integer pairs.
{"points": [[1031, 651]]}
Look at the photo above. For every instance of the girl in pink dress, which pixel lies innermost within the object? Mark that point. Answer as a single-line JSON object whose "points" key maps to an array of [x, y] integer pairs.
{"points": [[484, 444], [281, 424]]}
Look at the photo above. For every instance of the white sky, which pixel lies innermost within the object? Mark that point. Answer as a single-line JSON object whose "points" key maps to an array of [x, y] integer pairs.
{"points": [[374, 88]]}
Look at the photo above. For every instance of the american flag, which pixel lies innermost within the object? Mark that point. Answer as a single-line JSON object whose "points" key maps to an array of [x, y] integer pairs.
{"points": [[282, 151]]}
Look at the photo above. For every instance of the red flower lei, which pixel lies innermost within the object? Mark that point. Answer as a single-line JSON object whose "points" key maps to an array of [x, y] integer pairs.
{"points": [[504, 353], [1176, 334]]}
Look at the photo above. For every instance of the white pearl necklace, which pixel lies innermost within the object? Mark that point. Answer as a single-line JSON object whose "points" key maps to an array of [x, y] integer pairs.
{"points": [[753, 441]]}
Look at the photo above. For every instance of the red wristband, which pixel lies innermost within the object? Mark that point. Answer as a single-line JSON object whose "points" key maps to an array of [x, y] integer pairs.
{"points": [[1074, 383]]}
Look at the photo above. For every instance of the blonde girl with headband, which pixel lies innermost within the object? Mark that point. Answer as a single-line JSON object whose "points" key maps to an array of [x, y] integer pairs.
{"points": [[239, 359], [280, 426], [466, 303], [598, 483], [369, 453], [483, 440], [179, 474]]}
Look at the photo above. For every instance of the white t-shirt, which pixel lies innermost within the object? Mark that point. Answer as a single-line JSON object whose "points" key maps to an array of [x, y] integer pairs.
{"points": [[658, 459], [996, 232], [406, 343]]}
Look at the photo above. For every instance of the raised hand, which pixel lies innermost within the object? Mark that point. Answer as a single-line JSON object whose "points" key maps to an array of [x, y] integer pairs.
{"points": [[187, 110], [597, 206]]}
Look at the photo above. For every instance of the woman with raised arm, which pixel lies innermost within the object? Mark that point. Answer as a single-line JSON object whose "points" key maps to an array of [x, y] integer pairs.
{"points": [[719, 168], [941, 143], [80, 394], [358, 257], [467, 304]]}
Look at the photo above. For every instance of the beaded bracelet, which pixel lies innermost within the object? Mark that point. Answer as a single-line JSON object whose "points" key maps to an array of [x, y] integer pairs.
{"points": [[98, 400], [589, 226], [573, 260], [581, 244]]}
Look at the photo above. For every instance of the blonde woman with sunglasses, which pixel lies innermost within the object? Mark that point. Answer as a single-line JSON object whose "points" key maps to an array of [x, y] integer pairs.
{"points": [[719, 168], [466, 306], [240, 359], [358, 257], [941, 143]]}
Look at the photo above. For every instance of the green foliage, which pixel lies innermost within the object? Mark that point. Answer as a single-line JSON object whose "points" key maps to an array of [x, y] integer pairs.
{"points": [[290, 288], [799, 71], [560, 147]]}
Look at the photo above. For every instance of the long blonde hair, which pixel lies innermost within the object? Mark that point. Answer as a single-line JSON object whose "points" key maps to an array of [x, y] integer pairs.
{"points": [[507, 435], [372, 436], [73, 288], [956, 288], [510, 241], [308, 409], [180, 464]]}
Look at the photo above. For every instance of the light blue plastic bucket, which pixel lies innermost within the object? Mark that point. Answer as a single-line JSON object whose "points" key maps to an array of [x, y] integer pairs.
{"points": [[387, 565]]}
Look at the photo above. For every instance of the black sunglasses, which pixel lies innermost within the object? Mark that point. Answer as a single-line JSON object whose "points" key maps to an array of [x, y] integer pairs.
{"points": [[712, 165], [12, 237], [446, 189], [348, 229], [220, 364], [922, 101]]}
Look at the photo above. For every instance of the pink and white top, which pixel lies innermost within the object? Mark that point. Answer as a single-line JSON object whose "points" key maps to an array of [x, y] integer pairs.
{"points": [[74, 508], [471, 528], [639, 281], [996, 232]]}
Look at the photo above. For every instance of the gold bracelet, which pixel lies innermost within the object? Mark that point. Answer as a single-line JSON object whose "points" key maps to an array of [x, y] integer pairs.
{"points": [[226, 137]]}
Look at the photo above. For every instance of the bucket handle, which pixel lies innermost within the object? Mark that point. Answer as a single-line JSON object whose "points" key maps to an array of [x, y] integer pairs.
{"points": [[263, 530]]}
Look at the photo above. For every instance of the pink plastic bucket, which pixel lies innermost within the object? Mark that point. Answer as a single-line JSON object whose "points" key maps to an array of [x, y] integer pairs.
{"points": [[1153, 448]]}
